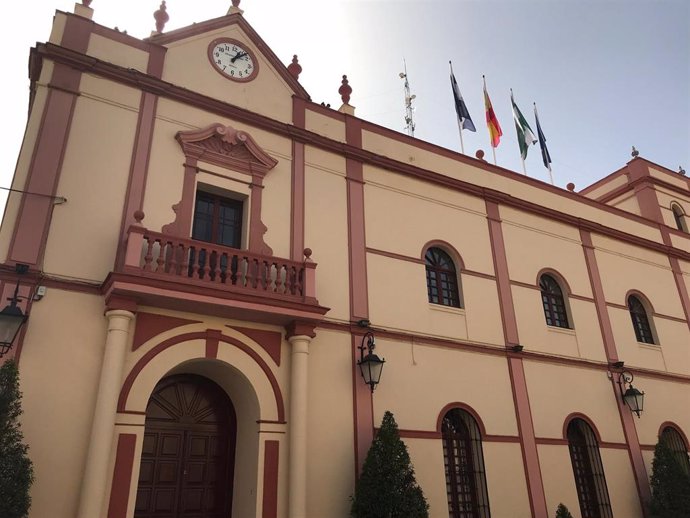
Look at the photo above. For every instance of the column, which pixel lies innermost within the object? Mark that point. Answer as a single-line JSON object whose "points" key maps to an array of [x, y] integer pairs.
{"points": [[297, 426], [103, 426]]}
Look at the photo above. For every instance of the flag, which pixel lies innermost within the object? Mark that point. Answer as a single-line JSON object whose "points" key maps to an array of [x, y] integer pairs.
{"points": [[542, 142], [495, 131], [464, 119], [524, 132]]}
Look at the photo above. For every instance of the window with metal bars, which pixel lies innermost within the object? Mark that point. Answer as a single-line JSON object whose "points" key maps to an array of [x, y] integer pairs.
{"points": [[464, 465], [554, 304], [588, 470], [672, 438], [441, 278], [679, 218], [640, 321]]}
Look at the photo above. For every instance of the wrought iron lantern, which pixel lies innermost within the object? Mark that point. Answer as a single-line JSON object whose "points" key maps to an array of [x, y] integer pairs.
{"points": [[631, 396], [12, 318], [370, 366]]}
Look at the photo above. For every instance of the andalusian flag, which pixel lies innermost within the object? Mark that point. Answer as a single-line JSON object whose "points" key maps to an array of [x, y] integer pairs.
{"points": [[524, 132], [495, 131]]}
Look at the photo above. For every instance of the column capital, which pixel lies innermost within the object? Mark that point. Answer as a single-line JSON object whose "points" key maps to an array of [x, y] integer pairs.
{"points": [[300, 328]]}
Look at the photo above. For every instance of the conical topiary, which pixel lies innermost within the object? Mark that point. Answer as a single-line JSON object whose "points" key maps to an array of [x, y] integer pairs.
{"points": [[562, 512], [387, 487], [670, 485], [16, 470]]}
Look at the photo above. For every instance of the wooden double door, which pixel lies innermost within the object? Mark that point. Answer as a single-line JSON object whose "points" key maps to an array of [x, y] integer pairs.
{"points": [[187, 457]]}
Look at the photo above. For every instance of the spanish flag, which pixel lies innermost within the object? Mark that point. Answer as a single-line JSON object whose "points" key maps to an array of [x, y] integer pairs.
{"points": [[495, 131]]}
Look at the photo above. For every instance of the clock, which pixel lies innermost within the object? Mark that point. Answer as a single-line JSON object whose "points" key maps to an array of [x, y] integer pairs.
{"points": [[233, 59]]}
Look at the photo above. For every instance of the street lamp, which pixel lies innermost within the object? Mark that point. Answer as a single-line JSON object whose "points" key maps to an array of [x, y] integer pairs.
{"points": [[631, 396], [370, 366], [11, 318]]}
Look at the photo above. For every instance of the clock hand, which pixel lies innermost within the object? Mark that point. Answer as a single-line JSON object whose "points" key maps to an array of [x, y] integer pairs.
{"points": [[238, 56]]}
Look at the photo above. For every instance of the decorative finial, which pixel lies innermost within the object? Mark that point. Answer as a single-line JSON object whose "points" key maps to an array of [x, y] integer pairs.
{"points": [[139, 216], [345, 90], [570, 187], [294, 68], [236, 3], [681, 171], [480, 154], [86, 3], [307, 253], [161, 16], [635, 152]]}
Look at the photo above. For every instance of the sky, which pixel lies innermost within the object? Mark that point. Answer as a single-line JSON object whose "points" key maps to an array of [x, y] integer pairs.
{"points": [[606, 75]]}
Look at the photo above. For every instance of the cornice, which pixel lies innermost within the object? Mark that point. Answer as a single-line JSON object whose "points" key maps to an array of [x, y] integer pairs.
{"points": [[135, 78]]}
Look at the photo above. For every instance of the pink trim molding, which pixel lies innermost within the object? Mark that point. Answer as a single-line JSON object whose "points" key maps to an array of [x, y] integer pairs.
{"points": [[122, 475], [270, 496], [149, 325]]}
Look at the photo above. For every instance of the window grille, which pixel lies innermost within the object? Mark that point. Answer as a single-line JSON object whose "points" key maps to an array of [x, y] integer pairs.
{"points": [[640, 321], [675, 443], [441, 278], [553, 302], [464, 466], [588, 471]]}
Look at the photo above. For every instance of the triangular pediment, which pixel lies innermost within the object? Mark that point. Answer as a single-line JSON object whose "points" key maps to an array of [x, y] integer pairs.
{"points": [[236, 21], [226, 147]]}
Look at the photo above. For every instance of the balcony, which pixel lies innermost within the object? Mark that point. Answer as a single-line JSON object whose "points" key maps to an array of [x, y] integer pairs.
{"points": [[189, 275]]}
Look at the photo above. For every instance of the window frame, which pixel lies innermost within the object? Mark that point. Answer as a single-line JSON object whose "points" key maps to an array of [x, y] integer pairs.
{"points": [[437, 277], [643, 326], [679, 217], [467, 460], [588, 470], [218, 197], [554, 303], [675, 441]]}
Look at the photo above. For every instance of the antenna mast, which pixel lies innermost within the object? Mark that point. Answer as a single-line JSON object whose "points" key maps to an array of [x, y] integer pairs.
{"points": [[409, 110]]}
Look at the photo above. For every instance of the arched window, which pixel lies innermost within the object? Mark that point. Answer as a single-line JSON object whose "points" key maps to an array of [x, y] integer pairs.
{"points": [[679, 217], [588, 471], [441, 278], [464, 464], [553, 301], [640, 321], [675, 443]]}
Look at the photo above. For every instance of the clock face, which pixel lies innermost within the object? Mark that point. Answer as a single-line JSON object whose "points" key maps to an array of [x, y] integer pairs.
{"points": [[233, 59]]}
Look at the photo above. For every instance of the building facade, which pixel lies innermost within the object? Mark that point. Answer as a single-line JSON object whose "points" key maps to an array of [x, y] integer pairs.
{"points": [[215, 248]]}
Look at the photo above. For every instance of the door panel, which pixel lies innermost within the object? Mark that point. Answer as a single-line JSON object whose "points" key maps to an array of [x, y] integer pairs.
{"points": [[188, 451]]}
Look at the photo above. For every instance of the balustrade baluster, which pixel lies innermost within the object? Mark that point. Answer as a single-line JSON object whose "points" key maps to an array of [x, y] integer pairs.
{"points": [[172, 258], [194, 262], [300, 281], [265, 274], [216, 266], [248, 272], [289, 279], [234, 269], [160, 261], [148, 257], [279, 284]]}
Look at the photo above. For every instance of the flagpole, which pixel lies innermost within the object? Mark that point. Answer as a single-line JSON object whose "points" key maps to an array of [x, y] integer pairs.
{"points": [[536, 115], [491, 143], [462, 144]]}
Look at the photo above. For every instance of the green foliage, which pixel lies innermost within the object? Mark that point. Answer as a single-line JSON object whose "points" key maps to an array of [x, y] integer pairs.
{"points": [[387, 487], [16, 470], [670, 485], [562, 512]]}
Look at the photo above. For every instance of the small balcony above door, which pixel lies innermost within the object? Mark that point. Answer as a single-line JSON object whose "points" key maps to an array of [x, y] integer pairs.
{"points": [[190, 275]]}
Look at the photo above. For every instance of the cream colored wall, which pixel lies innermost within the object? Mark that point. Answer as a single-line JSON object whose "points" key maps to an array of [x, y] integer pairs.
{"points": [[325, 229], [13, 203], [672, 178], [330, 457], [607, 187], [59, 370], [187, 65], [556, 391], [515, 184], [666, 197], [505, 480], [324, 125], [94, 178], [457, 376], [557, 477], [627, 202], [115, 52], [664, 400], [426, 456], [620, 481]]}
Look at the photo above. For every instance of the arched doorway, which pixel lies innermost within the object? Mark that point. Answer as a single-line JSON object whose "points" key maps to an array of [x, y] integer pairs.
{"points": [[187, 459]]}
